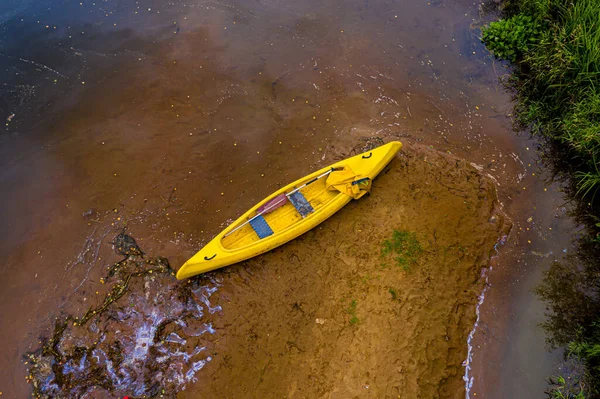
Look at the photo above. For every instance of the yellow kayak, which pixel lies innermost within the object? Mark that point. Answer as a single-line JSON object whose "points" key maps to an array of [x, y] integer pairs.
{"points": [[291, 211]]}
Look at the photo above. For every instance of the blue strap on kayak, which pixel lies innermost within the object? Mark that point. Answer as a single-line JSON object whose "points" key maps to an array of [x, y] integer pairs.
{"points": [[301, 204], [262, 228]]}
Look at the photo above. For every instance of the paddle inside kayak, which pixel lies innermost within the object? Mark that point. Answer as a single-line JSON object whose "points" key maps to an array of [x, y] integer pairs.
{"points": [[291, 211]]}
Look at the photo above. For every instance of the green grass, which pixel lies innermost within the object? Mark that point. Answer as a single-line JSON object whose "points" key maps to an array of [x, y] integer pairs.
{"points": [[367, 277], [394, 293], [404, 247], [589, 183], [562, 389], [557, 76], [352, 311]]}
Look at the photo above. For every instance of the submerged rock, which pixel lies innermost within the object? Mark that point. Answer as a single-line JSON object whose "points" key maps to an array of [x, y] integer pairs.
{"points": [[127, 246]]}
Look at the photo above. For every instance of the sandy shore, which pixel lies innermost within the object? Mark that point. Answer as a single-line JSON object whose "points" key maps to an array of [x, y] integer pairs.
{"points": [[326, 316]]}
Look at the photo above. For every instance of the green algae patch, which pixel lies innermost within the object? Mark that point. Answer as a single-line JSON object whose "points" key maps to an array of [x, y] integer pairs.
{"points": [[403, 247]]}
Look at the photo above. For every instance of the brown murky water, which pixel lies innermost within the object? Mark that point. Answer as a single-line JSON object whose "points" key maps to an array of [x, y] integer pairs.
{"points": [[170, 119]]}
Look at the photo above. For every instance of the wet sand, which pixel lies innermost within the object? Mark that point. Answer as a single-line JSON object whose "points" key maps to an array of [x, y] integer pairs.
{"points": [[165, 122], [327, 316]]}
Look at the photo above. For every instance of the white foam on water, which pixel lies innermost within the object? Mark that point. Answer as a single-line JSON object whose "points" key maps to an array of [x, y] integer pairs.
{"points": [[135, 332], [203, 294], [468, 377], [196, 366], [143, 340]]}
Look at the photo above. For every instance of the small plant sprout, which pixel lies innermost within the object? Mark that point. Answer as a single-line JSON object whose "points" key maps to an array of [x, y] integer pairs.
{"points": [[352, 312], [404, 247]]}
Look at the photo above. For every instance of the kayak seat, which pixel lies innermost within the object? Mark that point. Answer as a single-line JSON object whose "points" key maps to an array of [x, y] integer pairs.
{"points": [[261, 227], [301, 204]]}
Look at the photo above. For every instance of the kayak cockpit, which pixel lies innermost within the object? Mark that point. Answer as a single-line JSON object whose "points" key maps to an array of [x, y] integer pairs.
{"points": [[300, 204]]}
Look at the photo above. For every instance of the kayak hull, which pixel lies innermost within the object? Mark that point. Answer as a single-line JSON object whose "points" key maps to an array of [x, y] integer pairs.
{"points": [[239, 242]]}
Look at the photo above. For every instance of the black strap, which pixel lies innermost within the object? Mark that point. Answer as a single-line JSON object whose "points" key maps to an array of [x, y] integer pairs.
{"points": [[364, 179]]}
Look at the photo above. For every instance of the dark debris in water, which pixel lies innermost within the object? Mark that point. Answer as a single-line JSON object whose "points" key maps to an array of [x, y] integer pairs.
{"points": [[367, 144], [126, 245], [146, 338]]}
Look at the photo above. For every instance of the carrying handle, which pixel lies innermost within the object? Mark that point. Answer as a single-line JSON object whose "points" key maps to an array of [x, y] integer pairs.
{"points": [[369, 156], [211, 258]]}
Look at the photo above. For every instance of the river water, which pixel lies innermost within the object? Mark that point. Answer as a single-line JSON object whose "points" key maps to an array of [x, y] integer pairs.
{"points": [[168, 118]]}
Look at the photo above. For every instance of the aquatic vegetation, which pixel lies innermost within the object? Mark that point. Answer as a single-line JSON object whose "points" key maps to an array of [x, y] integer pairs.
{"points": [[562, 388], [586, 346], [512, 37], [571, 289], [557, 77], [126, 245], [147, 337], [405, 248]]}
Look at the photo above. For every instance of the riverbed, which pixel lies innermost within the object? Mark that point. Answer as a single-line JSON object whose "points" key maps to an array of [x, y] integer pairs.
{"points": [[170, 120]]}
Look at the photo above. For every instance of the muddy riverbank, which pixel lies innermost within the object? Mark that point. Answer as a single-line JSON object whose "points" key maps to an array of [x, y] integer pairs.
{"points": [[328, 316]]}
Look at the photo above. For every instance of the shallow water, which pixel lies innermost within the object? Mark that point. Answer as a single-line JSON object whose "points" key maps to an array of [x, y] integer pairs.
{"points": [[173, 118], [147, 336]]}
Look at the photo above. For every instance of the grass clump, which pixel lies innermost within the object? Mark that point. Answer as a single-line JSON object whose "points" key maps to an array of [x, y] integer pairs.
{"points": [[563, 388], [404, 247]]}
